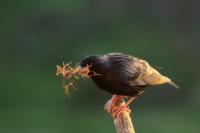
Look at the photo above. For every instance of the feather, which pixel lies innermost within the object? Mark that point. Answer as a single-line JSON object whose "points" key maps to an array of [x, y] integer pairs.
{"points": [[173, 84]]}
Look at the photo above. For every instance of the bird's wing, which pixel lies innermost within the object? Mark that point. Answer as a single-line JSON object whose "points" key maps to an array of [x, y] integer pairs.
{"points": [[126, 69], [132, 71]]}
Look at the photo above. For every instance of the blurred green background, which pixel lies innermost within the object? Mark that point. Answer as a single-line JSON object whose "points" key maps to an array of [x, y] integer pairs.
{"points": [[36, 35]]}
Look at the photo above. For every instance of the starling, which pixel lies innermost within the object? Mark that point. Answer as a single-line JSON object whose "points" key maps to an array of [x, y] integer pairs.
{"points": [[123, 75]]}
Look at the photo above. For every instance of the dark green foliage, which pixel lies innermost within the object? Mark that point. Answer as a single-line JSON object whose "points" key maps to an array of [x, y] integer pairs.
{"points": [[37, 35]]}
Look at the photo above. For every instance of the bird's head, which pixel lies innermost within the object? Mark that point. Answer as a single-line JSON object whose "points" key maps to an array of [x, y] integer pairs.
{"points": [[96, 63], [93, 60]]}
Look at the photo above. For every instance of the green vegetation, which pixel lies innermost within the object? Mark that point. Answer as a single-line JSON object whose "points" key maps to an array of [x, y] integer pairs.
{"points": [[38, 35]]}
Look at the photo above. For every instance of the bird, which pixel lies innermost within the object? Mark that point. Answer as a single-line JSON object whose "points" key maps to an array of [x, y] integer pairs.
{"points": [[123, 76]]}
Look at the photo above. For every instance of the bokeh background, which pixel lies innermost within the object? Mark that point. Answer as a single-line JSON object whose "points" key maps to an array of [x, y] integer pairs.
{"points": [[36, 35]]}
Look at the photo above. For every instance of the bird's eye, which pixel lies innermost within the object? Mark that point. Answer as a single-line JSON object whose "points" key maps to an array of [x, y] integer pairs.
{"points": [[90, 64]]}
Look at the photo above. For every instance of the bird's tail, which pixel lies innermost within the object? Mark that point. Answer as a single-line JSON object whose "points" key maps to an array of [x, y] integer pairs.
{"points": [[173, 84], [170, 82], [155, 78]]}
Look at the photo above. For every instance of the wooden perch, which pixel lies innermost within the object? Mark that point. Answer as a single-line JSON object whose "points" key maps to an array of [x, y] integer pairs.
{"points": [[123, 123]]}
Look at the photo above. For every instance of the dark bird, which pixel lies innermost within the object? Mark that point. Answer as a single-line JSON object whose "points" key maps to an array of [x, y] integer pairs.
{"points": [[123, 75]]}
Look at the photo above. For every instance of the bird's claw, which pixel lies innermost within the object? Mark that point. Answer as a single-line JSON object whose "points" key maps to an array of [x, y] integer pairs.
{"points": [[117, 110]]}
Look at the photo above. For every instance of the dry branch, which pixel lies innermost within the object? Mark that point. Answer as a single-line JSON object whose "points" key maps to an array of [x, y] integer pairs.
{"points": [[123, 123]]}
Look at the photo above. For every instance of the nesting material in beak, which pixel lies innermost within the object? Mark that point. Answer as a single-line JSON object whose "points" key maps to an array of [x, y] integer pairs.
{"points": [[70, 74]]}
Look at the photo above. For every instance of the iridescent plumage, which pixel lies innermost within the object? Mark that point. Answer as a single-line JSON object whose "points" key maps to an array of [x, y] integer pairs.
{"points": [[122, 74]]}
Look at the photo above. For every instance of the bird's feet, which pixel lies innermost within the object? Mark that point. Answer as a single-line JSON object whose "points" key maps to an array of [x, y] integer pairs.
{"points": [[117, 107], [117, 110]]}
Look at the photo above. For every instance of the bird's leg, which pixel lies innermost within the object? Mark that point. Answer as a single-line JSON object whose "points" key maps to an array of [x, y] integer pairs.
{"points": [[117, 110]]}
